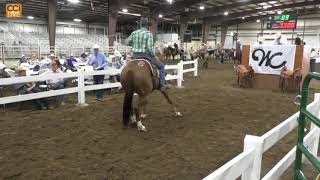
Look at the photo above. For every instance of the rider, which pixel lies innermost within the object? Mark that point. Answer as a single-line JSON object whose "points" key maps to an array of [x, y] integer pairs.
{"points": [[142, 44]]}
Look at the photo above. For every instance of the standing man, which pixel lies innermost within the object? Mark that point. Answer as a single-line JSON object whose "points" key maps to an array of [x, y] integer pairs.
{"points": [[142, 44], [98, 61]]}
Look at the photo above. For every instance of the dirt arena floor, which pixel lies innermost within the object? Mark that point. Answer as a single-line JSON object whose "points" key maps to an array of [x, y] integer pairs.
{"points": [[89, 143]]}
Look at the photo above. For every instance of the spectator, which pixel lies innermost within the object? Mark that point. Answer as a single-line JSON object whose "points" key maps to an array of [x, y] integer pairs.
{"points": [[98, 61], [313, 58], [23, 59], [298, 41], [70, 63], [84, 57], [34, 60], [57, 83], [30, 88]]}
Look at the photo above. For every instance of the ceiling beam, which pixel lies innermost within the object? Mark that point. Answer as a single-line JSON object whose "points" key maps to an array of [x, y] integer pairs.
{"points": [[221, 18]]}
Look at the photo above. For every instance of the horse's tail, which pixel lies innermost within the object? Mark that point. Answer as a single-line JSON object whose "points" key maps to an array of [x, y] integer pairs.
{"points": [[127, 103]]}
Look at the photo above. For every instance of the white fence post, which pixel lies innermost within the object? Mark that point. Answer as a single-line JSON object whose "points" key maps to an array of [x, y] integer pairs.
{"points": [[180, 75], [181, 67], [81, 92], [254, 171], [196, 67]]}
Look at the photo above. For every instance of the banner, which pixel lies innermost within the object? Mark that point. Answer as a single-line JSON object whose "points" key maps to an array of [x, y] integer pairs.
{"points": [[270, 59]]}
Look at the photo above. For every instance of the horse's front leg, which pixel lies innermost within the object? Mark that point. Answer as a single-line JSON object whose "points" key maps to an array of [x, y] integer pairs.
{"points": [[175, 110]]}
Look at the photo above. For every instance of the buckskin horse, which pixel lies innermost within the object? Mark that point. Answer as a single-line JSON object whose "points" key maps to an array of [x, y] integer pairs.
{"points": [[139, 76], [245, 76], [290, 78]]}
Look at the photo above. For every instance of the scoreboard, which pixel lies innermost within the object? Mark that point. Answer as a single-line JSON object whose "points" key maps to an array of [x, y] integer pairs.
{"points": [[285, 21]]}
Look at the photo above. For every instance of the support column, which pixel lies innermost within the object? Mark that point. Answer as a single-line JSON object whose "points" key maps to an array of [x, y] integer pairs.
{"points": [[206, 26], [183, 27], [224, 31], [112, 26], [52, 17]]}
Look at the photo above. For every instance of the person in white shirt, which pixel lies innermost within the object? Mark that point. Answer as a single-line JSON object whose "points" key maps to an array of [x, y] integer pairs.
{"points": [[313, 57], [280, 39], [56, 83], [259, 41]]}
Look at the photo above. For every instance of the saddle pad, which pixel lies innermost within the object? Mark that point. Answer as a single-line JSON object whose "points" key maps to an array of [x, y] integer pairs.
{"points": [[153, 68]]}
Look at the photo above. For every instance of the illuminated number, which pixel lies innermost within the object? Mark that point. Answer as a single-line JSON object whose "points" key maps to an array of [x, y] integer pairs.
{"points": [[283, 17], [287, 17]]}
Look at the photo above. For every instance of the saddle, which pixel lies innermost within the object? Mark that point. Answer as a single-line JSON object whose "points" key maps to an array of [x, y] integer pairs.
{"points": [[142, 62]]}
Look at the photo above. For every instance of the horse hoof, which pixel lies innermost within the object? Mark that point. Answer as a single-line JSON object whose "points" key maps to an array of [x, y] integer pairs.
{"points": [[178, 114], [143, 116], [142, 129]]}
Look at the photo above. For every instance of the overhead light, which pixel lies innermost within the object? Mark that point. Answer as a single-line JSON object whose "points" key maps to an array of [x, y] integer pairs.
{"points": [[243, 18], [124, 10], [226, 13], [30, 17], [272, 2], [201, 7], [77, 20], [160, 16], [170, 1], [263, 4], [74, 1], [279, 12], [266, 7], [258, 20], [131, 14]]}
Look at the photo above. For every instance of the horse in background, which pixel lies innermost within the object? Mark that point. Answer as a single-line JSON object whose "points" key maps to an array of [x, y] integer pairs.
{"points": [[171, 51], [140, 77]]}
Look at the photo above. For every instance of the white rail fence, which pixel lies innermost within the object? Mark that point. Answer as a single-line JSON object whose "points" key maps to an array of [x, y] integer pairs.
{"points": [[81, 88], [248, 163], [194, 69]]}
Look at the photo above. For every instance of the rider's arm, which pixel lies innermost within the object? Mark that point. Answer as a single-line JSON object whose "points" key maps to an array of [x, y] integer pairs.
{"points": [[150, 44]]}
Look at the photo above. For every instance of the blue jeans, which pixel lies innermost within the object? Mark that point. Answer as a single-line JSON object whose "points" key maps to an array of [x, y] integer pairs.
{"points": [[158, 64], [57, 86], [98, 79]]}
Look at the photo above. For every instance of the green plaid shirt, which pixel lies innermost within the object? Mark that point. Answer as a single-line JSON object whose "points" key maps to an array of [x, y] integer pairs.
{"points": [[141, 41]]}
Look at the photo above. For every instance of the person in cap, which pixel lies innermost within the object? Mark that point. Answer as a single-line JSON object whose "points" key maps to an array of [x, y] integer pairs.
{"points": [[98, 61], [142, 44], [260, 40]]}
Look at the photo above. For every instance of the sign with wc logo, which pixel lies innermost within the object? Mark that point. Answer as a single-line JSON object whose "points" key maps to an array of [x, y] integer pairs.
{"points": [[13, 10], [270, 59]]}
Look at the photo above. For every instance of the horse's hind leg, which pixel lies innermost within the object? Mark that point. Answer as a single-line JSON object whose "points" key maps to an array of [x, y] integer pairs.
{"points": [[177, 113], [143, 101], [140, 126]]}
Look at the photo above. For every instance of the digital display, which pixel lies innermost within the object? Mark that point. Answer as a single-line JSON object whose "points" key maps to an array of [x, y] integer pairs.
{"points": [[285, 21], [284, 25], [286, 17]]}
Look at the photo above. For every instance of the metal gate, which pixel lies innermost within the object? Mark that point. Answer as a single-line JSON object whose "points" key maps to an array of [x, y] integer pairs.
{"points": [[301, 148]]}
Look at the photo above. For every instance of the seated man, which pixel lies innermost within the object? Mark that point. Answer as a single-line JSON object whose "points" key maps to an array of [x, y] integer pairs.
{"points": [[57, 83], [142, 44], [29, 88]]}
